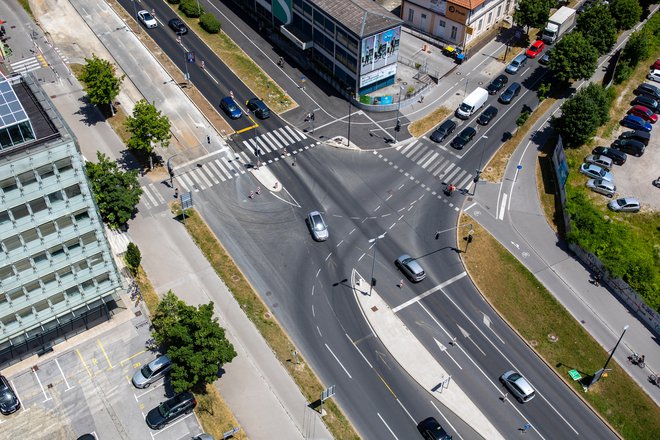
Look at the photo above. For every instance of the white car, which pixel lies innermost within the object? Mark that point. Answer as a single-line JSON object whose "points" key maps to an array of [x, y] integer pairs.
{"points": [[654, 75], [147, 19]]}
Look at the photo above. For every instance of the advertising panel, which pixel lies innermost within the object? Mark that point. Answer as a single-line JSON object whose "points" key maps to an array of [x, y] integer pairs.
{"points": [[380, 50], [377, 75], [457, 13]]}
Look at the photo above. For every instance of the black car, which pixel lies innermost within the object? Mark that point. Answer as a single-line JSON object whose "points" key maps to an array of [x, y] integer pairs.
{"points": [[497, 84], [257, 106], [647, 102], [487, 115], [510, 93], [629, 146], [443, 130], [178, 26], [169, 410], [637, 135], [649, 90], [431, 430], [463, 138], [618, 157], [8, 400], [545, 59]]}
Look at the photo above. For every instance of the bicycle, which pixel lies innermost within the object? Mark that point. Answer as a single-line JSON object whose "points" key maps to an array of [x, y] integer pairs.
{"points": [[654, 379], [151, 345], [636, 359]]}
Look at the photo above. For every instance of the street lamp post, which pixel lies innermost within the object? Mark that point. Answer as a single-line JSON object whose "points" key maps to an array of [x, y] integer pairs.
{"points": [[169, 168], [373, 263], [397, 127], [349, 92], [598, 374]]}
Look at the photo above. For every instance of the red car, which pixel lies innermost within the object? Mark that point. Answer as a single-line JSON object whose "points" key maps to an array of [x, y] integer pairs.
{"points": [[656, 65], [644, 113], [535, 49]]}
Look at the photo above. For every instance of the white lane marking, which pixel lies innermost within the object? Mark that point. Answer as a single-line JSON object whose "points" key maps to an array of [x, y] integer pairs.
{"points": [[361, 257], [226, 172], [428, 292], [446, 421], [466, 209], [156, 192], [337, 359], [215, 169], [444, 350], [68, 387], [359, 351], [339, 244], [13, 387], [500, 215], [313, 290], [42, 387], [319, 330], [319, 271], [387, 426], [326, 258], [406, 410], [148, 194], [486, 320], [313, 314]]}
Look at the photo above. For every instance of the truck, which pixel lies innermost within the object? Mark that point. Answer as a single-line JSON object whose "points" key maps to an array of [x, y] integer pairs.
{"points": [[560, 22], [473, 102]]}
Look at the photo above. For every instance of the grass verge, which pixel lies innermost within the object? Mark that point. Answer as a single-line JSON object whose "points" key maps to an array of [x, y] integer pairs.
{"points": [[421, 126], [265, 322], [516, 295], [212, 411]]}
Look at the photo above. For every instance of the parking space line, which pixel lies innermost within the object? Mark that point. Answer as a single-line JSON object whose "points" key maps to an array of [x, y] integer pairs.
{"points": [[13, 386], [84, 363], [68, 387], [40, 384], [105, 354], [172, 424], [121, 363]]}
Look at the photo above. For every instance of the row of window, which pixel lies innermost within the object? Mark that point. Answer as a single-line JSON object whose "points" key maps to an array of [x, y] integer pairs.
{"points": [[33, 176], [16, 134], [323, 22], [44, 231], [39, 204]]}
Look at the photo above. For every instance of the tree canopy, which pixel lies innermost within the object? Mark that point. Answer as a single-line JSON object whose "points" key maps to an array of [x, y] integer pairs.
{"points": [[147, 126], [626, 13], [598, 27], [531, 13], [573, 58], [100, 81], [582, 114], [116, 192], [194, 341]]}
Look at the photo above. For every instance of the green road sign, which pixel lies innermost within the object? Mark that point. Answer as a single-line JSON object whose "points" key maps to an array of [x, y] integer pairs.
{"points": [[575, 375]]}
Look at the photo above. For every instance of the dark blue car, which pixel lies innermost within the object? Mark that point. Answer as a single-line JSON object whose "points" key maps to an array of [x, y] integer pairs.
{"points": [[636, 123], [229, 106]]}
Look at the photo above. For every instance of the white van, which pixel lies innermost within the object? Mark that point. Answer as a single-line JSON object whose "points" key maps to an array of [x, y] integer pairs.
{"points": [[472, 103]]}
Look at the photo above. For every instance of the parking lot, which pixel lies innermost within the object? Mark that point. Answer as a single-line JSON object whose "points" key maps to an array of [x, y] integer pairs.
{"points": [[88, 389]]}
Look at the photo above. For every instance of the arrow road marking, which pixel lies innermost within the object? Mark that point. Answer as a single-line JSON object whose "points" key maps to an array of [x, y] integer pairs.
{"points": [[487, 323], [466, 335]]}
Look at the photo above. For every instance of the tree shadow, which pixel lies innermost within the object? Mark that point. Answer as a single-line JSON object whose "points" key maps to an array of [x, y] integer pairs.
{"points": [[90, 113]]}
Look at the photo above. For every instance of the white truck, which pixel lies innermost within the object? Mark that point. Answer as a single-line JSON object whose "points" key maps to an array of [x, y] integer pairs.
{"points": [[472, 103], [560, 22]]}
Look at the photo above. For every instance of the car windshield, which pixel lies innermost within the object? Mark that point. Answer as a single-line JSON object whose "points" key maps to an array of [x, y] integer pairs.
{"points": [[147, 16], [6, 397], [146, 371], [318, 223]]}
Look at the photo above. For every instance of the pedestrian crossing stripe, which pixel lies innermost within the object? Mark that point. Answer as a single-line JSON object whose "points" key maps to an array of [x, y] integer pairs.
{"points": [[275, 140], [42, 60]]}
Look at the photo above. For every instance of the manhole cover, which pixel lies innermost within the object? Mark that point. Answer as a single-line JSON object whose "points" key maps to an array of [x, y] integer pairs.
{"points": [[267, 315], [374, 309], [553, 337], [235, 278], [533, 343]]}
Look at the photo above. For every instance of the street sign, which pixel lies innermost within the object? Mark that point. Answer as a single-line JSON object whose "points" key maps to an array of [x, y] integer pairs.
{"points": [[575, 375], [186, 200], [328, 393], [228, 434]]}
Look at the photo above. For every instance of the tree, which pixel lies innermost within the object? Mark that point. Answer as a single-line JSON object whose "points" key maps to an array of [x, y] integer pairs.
{"points": [[133, 257], [116, 192], [531, 13], [598, 27], [194, 341], [637, 48], [573, 58], [582, 114], [626, 13], [101, 83], [147, 125]]}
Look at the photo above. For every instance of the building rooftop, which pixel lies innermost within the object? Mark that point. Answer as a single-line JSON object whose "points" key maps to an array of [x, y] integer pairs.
{"points": [[468, 4], [362, 17]]}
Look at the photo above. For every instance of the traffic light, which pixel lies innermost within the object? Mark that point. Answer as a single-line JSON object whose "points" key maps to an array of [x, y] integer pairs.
{"points": [[397, 127]]}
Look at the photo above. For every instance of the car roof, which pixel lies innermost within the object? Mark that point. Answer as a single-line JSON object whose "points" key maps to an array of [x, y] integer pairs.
{"points": [[448, 123], [258, 102], [161, 360], [491, 109], [468, 130]]}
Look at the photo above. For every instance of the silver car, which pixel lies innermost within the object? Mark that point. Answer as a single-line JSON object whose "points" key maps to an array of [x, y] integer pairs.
{"points": [[518, 385], [595, 172], [626, 204], [151, 372], [147, 19], [317, 226], [601, 186], [410, 268], [601, 161], [515, 64]]}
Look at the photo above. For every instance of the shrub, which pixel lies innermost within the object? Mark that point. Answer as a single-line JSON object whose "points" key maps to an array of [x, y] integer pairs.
{"points": [[174, 2], [209, 23], [543, 91], [133, 257], [191, 8], [524, 115]]}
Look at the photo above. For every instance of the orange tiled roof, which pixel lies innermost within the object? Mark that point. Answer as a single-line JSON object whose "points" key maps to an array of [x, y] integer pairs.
{"points": [[469, 4]]}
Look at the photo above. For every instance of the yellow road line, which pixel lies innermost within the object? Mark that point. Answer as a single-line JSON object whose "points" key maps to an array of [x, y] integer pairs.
{"points": [[129, 358], [243, 130], [84, 363], [388, 387], [104, 353]]}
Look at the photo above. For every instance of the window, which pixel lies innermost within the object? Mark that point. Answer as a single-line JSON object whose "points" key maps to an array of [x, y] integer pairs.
{"points": [[6, 273], [82, 217], [490, 17], [454, 31], [64, 222], [27, 178], [45, 171], [72, 191], [63, 165], [4, 217], [19, 212], [23, 265], [38, 205], [480, 25], [46, 229], [55, 197], [442, 23], [12, 243], [88, 238], [307, 10], [411, 15], [8, 184], [39, 258], [30, 235], [423, 16], [499, 10]]}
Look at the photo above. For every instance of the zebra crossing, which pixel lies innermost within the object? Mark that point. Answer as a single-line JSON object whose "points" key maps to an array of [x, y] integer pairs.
{"points": [[29, 64], [439, 166], [276, 140]]}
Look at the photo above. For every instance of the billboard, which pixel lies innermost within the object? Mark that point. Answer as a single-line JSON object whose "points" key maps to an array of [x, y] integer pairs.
{"points": [[377, 75], [380, 50]]}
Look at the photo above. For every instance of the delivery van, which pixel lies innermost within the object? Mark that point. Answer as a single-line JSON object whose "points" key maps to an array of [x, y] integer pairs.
{"points": [[472, 103]]}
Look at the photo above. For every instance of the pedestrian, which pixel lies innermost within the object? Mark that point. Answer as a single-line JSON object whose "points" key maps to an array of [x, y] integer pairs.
{"points": [[505, 397], [178, 39], [176, 193], [258, 191], [276, 185], [153, 13], [202, 64], [400, 285], [251, 195], [231, 93], [525, 427]]}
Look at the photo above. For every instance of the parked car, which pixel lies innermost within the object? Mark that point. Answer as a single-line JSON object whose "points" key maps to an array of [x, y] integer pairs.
{"points": [[535, 49], [656, 65], [258, 107], [487, 115], [147, 19], [463, 138], [595, 172], [497, 84], [518, 386], [601, 161], [178, 26], [511, 92], [410, 268], [647, 102], [626, 204], [644, 113], [647, 89], [171, 409], [601, 186], [432, 430], [629, 146], [637, 135], [545, 59], [618, 157], [636, 123], [151, 372], [443, 130], [654, 75], [9, 402], [203, 436], [515, 65], [230, 107], [317, 226]]}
